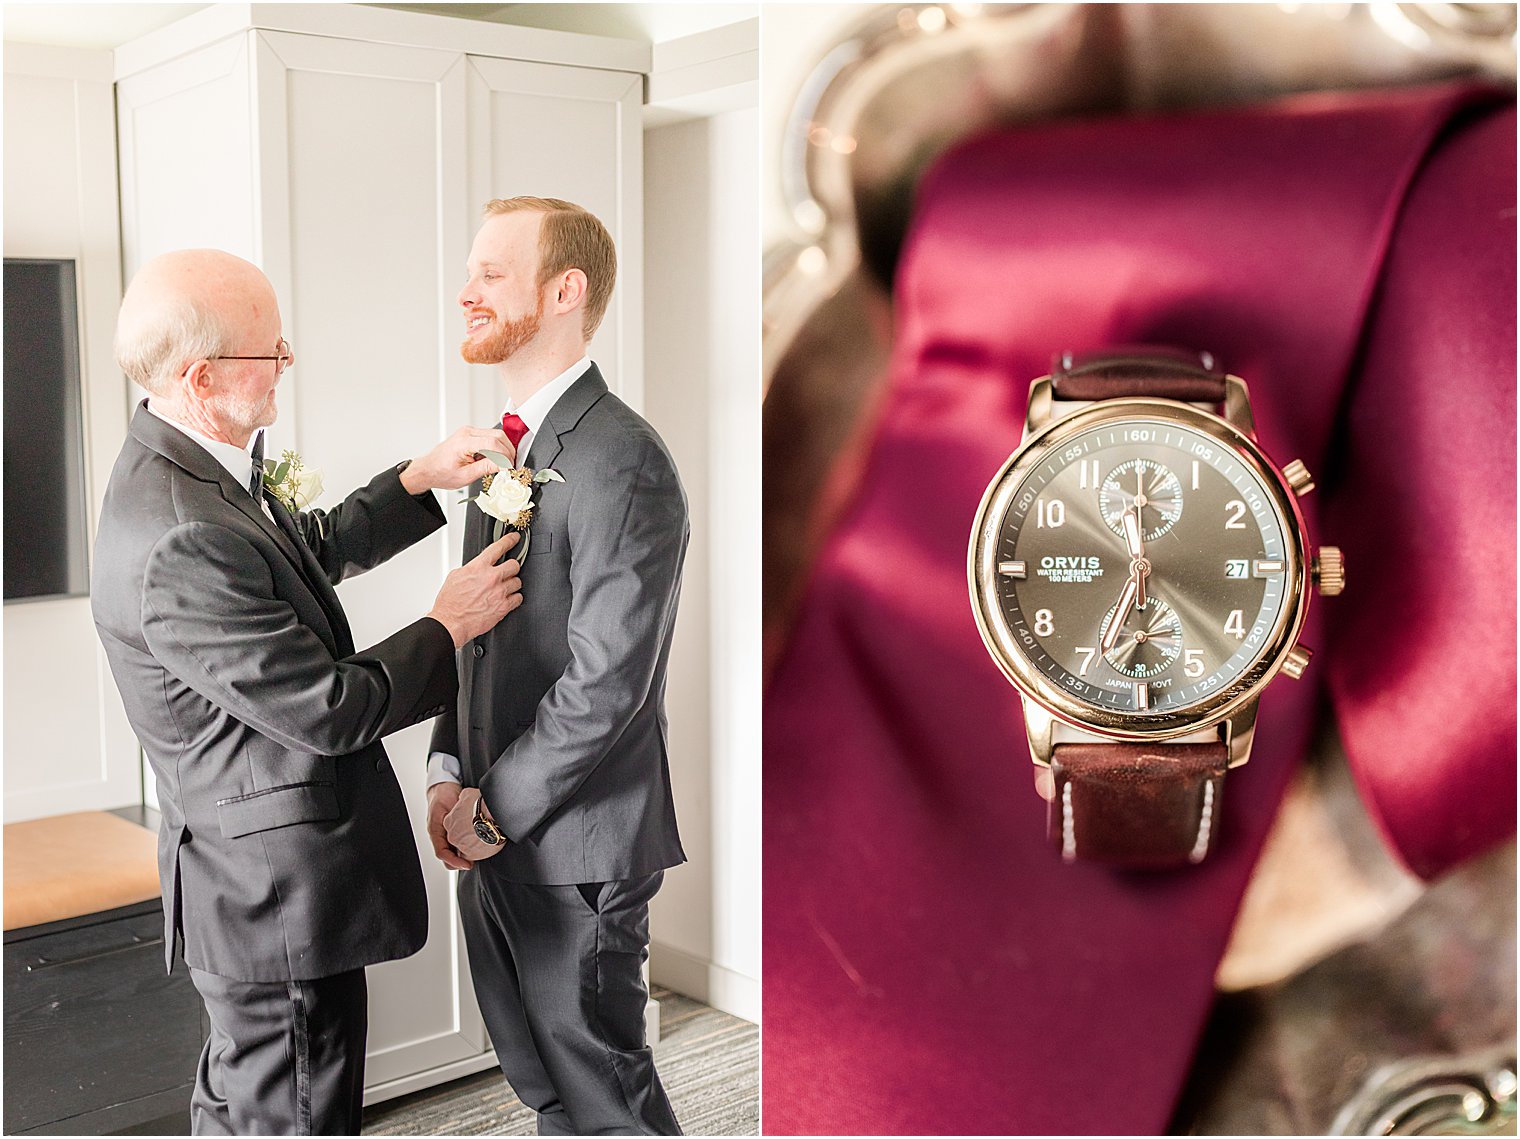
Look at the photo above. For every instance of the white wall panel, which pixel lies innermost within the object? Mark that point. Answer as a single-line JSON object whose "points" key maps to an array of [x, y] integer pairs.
{"points": [[702, 296], [67, 743]]}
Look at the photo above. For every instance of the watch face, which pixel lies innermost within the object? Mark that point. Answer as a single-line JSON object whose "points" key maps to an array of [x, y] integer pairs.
{"points": [[1137, 565], [487, 832]]}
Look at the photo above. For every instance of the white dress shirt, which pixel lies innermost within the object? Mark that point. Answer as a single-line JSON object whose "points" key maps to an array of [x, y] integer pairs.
{"points": [[536, 407], [237, 460], [442, 767]]}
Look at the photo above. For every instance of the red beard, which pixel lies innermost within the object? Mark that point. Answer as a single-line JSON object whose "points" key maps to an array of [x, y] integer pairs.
{"points": [[504, 339]]}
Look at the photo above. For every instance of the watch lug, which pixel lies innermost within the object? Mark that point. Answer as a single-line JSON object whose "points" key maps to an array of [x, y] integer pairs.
{"points": [[1040, 725], [1041, 406], [1238, 732], [1237, 405]]}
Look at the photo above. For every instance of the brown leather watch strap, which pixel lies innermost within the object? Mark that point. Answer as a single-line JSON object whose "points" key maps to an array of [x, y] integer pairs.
{"points": [[1162, 373], [1136, 804]]}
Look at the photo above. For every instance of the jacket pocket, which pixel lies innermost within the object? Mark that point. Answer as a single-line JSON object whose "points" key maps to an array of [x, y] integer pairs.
{"points": [[277, 807]]}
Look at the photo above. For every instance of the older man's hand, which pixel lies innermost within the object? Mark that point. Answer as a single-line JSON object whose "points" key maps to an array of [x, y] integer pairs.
{"points": [[459, 826], [457, 461]]}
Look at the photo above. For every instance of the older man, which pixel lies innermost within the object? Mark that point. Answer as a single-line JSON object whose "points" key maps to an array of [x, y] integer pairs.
{"points": [[552, 779], [286, 856]]}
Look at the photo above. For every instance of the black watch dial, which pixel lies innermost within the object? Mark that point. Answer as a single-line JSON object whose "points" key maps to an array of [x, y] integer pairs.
{"points": [[1142, 566], [486, 831]]}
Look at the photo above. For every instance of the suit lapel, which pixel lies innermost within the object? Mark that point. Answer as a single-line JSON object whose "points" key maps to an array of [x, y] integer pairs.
{"points": [[174, 445], [320, 585], [567, 411], [476, 530], [546, 447]]}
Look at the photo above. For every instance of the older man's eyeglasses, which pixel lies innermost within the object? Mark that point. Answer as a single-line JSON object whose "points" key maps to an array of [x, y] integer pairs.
{"points": [[282, 358]]}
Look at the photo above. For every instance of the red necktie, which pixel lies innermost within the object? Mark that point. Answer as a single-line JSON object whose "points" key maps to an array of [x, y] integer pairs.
{"points": [[515, 429]]}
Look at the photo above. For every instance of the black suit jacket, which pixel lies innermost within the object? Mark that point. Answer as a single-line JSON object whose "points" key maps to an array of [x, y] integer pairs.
{"points": [[561, 719], [285, 852]]}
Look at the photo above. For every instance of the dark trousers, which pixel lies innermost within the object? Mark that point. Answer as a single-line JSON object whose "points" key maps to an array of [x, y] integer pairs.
{"points": [[283, 1058], [558, 975]]}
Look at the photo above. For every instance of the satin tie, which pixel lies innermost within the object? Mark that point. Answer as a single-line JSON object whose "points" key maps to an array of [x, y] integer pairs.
{"points": [[256, 477], [515, 429]]}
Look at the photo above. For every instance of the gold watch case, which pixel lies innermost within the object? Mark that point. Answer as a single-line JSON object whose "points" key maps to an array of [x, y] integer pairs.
{"points": [[1233, 708]]}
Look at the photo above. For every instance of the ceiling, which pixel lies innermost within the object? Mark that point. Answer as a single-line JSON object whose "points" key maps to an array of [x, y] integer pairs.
{"points": [[106, 26]]}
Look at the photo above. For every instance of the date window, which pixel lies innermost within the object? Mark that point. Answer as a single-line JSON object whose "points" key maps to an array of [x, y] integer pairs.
{"points": [[1237, 567]]}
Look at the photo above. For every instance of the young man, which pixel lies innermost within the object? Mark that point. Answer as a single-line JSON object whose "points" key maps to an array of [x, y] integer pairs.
{"points": [[285, 854], [559, 742]]}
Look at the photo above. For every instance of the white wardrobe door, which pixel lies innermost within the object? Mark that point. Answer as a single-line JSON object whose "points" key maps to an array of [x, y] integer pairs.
{"points": [[359, 144], [187, 170]]}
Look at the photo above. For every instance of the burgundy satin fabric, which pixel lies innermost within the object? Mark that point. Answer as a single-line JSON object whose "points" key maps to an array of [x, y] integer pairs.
{"points": [[1422, 663], [930, 965]]}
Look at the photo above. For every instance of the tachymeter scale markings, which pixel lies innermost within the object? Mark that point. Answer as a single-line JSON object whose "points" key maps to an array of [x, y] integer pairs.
{"points": [[1077, 565]]}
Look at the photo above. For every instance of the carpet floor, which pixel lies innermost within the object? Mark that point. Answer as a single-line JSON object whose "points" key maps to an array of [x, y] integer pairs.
{"points": [[709, 1062]]}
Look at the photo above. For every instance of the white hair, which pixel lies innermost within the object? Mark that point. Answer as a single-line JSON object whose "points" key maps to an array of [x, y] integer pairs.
{"points": [[154, 348]]}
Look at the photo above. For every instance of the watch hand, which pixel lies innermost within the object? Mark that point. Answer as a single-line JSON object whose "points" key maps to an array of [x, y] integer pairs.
{"points": [[1132, 533], [1111, 635], [1139, 568]]}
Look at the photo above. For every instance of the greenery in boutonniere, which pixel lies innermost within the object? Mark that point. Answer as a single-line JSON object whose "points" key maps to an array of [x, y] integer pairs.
{"points": [[291, 481]]}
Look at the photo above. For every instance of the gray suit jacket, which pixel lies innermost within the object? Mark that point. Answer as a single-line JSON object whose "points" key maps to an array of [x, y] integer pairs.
{"points": [[561, 718], [285, 852]]}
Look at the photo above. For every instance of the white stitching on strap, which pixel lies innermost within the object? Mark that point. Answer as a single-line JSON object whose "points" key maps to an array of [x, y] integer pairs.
{"points": [[1205, 824], [1068, 825]]}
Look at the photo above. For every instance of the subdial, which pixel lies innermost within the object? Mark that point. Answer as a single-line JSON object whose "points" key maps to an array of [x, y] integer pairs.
{"points": [[1145, 483], [1149, 639]]}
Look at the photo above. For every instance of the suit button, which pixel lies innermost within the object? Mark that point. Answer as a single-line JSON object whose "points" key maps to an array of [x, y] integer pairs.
{"points": [[480, 650], [379, 765]]}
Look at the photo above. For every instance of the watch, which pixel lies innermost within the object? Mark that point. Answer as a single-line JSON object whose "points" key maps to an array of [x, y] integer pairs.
{"points": [[485, 829], [1140, 571]]}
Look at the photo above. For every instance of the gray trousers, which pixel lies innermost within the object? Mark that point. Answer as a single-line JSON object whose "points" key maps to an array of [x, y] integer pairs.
{"points": [[283, 1058], [558, 975]]}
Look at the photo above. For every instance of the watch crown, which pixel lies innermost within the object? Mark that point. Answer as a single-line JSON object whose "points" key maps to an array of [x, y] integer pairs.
{"points": [[1329, 571], [1296, 661], [1298, 477]]}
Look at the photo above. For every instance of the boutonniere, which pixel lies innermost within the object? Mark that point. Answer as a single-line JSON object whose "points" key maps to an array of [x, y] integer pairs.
{"points": [[507, 496], [291, 481]]}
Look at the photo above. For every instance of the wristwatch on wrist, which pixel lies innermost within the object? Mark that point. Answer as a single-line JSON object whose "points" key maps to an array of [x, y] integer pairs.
{"points": [[1140, 571], [485, 829]]}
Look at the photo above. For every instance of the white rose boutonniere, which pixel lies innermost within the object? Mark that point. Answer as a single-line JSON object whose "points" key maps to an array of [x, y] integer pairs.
{"points": [[291, 481], [507, 496]]}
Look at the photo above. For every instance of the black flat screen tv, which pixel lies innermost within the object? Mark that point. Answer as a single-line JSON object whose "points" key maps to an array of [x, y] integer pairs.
{"points": [[46, 520]]}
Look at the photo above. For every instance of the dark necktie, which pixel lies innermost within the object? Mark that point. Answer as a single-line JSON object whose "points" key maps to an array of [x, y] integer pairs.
{"points": [[256, 477], [515, 429]]}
